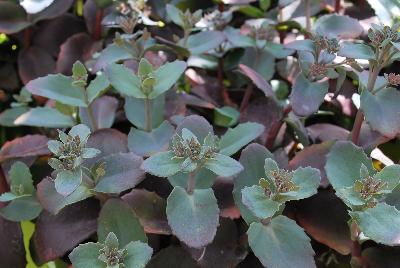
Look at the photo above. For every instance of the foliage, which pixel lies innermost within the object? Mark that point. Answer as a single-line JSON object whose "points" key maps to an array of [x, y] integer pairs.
{"points": [[224, 133]]}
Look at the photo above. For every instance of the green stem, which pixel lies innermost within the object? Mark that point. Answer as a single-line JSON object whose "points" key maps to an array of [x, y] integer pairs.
{"points": [[191, 184], [92, 119], [148, 115]]}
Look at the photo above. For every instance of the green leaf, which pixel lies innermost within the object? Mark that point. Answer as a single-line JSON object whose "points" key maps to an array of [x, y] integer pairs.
{"points": [[306, 96], [254, 199], [281, 244], [52, 201], [264, 65], [251, 11], [148, 143], [380, 223], [235, 138], [204, 41], [145, 68], [124, 80], [139, 254], [307, 179], [162, 164], [117, 217], [166, 76], [21, 176], [22, 209], [193, 217], [381, 111], [122, 173], [45, 117], [8, 116], [265, 4], [340, 26], [253, 159], [204, 179], [58, 87], [344, 162], [198, 125], [390, 175], [9, 196], [175, 15], [97, 87], [82, 131], [67, 181], [356, 51], [111, 54], [226, 116], [87, 255], [135, 111], [223, 165], [302, 45]]}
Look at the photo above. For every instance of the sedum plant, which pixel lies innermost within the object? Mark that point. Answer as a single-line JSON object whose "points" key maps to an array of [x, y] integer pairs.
{"points": [[269, 234], [364, 190], [126, 93], [70, 152], [196, 157], [110, 255]]}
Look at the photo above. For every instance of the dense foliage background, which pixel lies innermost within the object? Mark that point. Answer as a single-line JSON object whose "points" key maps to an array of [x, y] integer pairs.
{"points": [[122, 126]]}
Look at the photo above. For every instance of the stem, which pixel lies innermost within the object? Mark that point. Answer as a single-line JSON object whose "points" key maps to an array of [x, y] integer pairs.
{"points": [[92, 119], [373, 75], [307, 12], [148, 118], [337, 6], [191, 182], [27, 37], [273, 132], [220, 75], [97, 26], [356, 247], [246, 97]]}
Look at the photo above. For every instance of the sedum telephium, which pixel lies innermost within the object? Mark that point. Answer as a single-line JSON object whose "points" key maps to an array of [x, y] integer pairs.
{"points": [[70, 151]]}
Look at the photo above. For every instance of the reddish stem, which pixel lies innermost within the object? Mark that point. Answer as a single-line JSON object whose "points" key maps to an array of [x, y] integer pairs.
{"points": [[3, 184], [27, 37], [273, 132], [246, 97], [97, 27], [337, 6], [220, 74], [355, 133]]}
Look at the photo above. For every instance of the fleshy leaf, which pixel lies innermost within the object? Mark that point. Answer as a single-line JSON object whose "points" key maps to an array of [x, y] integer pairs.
{"points": [[380, 223], [254, 199], [356, 51], [58, 87], [338, 26], [281, 243], [97, 87], [390, 175], [306, 96], [344, 162], [223, 165], [384, 102], [253, 159], [166, 76], [122, 172], [193, 217], [22, 209], [67, 181], [162, 164], [124, 80], [87, 255], [53, 201], [139, 254], [307, 179], [45, 117], [148, 143], [204, 41], [117, 217]]}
